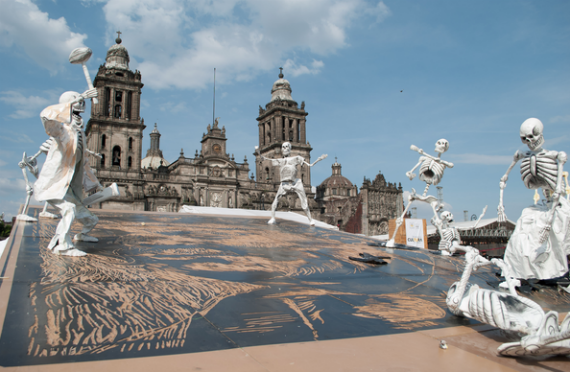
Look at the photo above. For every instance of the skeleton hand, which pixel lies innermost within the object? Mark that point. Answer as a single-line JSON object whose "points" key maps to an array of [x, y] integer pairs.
{"points": [[90, 93], [44, 147], [324, 156], [501, 215], [410, 175]]}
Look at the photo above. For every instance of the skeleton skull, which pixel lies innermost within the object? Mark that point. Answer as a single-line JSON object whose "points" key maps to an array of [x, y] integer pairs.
{"points": [[71, 96], [447, 216], [286, 148], [531, 133], [441, 146]]}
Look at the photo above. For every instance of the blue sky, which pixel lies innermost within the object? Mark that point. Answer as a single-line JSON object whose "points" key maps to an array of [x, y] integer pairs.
{"points": [[376, 77]]}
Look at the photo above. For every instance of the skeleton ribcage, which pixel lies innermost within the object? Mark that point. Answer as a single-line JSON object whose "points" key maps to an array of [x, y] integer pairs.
{"points": [[431, 171], [539, 171], [448, 236]]}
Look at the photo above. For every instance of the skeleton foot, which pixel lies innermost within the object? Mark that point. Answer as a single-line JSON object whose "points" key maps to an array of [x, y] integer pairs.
{"points": [[48, 215], [390, 243], [25, 217], [85, 238], [72, 252], [271, 221], [312, 222]]}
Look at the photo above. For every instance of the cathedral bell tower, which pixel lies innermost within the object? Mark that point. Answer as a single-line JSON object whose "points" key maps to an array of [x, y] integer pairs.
{"points": [[282, 120], [115, 129]]}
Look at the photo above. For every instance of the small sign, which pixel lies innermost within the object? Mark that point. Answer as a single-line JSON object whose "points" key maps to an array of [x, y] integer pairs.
{"points": [[415, 232]]}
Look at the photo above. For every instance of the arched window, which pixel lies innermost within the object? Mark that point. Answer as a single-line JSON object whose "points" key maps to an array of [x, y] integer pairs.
{"points": [[116, 156], [102, 160], [130, 143], [103, 140], [129, 162], [266, 173]]}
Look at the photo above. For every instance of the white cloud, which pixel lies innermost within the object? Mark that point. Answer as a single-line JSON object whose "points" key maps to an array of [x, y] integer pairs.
{"points": [[45, 40], [380, 11], [560, 119], [481, 159], [177, 43], [10, 186], [27, 107], [17, 137], [292, 68]]}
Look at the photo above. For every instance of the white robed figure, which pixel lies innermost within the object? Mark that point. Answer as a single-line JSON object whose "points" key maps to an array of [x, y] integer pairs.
{"points": [[66, 173]]}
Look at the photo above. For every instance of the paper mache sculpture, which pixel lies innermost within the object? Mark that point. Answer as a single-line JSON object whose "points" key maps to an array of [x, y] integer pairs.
{"points": [[66, 174], [450, 239], [540, 332], [289, 180], [30, 163], [431, 172], [540, 242]]}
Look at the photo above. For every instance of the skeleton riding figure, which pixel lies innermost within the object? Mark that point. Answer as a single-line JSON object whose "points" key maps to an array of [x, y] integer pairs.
{"points": [[289, 181], [540, 242], [431, 172]]}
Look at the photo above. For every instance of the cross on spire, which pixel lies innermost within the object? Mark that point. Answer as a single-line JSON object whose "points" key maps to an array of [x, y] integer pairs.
{"points": [[280, 72], [118, 39]]}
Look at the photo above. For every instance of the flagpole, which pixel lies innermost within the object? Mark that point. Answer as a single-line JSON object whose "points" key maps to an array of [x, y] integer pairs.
{"points": [[214, 106]]}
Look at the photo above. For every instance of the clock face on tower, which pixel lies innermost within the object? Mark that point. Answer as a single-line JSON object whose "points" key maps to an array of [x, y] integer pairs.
{"points": [[217, 148]]}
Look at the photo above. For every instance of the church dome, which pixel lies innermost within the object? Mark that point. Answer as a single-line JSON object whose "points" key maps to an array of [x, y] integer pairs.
{"points": [[337, 180], [281, 89], [153, 158], [154, 161], [117, 56]]}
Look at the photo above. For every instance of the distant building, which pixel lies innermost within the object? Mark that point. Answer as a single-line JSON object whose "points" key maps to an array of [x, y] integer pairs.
{"points": [[367, 212], [212, 177]]}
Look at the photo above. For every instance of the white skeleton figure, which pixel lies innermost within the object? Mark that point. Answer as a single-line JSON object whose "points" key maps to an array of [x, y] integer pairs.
{"points": [[450, 239], [449, 236], [540, 168], [431, 172], [431, 167], [508, 311], [289, 181]]}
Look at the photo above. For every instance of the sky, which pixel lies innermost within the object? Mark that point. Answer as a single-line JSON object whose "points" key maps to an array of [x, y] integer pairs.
{"points": [[376, 77]]}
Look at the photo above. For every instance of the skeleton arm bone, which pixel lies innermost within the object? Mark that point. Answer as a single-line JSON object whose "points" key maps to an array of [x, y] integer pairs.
{"points": [[501, 215], [472, 261], [97, 155], [316, 161], [439, 160], [411, 173]]}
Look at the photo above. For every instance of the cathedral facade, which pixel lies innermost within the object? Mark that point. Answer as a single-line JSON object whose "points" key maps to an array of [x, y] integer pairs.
{"points": [[209, 178], [213, 177]]}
